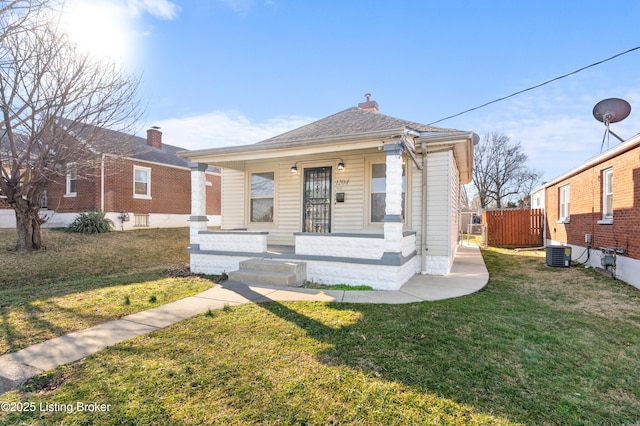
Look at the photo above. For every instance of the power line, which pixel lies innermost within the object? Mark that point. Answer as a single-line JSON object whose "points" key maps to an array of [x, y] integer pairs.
{"points": [[536, 86]]}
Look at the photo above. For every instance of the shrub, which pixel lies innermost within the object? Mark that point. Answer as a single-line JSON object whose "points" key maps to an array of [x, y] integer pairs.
{"points": [[91, 223]]}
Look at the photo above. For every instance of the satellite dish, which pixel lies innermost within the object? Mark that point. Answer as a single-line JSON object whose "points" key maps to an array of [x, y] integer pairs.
{"points": [[476, 139], [610, 111]]}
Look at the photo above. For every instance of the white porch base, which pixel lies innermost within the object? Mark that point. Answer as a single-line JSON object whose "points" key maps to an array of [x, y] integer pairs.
{"points": [[353, 259], [438, 265], [379, 277], [215, 264]]}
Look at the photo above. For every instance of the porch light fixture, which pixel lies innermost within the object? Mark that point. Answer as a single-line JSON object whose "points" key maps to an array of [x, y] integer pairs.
{"points": [[294, 168]]}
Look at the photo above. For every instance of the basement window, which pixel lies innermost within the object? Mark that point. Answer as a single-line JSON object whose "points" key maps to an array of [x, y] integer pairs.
{"points": [[140, 220]]}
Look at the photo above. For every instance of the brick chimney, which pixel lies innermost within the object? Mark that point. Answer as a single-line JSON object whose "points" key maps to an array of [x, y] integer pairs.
{"points": [[369, 105], [154, 137]]}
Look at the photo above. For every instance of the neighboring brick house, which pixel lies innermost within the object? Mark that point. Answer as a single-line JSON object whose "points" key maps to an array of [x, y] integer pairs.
{"points": [[600, 201], [150, 187]]}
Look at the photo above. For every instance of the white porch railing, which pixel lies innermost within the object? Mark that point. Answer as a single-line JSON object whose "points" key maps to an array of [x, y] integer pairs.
{"points": [[337, 245], [348, 245], [359, 246]]}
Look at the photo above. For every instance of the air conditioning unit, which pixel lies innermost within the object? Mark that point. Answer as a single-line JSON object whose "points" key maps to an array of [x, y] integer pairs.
{"points": [[559, 256]]}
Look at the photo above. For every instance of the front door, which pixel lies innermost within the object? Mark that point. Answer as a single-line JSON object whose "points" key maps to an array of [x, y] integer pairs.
{"points": [[317, 200]]}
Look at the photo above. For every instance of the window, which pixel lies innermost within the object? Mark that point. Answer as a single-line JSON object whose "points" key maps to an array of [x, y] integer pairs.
{"points": [[140, 220], [44, 200], [563, 214], [378, 191], [262, 190], [607, 194], [141, 182], [72, 181]]}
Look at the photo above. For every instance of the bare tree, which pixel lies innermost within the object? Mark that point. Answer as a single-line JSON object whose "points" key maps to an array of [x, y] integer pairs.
{"points": [[14, 14], [500, 171], [50, 94]]}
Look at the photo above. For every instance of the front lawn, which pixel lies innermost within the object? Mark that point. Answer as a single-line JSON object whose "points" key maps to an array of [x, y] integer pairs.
{"points": [[82, 280], [537, 346], [68, 255]]}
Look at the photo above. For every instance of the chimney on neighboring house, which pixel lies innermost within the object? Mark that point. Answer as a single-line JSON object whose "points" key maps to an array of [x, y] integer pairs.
{"points": [[369, 105], [154, 137]]}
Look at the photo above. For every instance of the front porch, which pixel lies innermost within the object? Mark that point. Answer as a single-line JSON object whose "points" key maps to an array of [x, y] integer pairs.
{"points": [[339, 258]]}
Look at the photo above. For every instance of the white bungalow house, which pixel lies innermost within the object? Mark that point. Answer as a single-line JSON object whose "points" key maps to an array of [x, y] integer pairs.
{"points": [[358, 197]]}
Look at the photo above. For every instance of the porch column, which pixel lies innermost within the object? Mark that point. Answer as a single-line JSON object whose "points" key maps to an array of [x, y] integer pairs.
{"points": [[393, 225], [198, 219]]}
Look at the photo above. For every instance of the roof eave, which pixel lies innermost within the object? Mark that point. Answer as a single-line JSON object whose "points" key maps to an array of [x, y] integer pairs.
{"points": [[301, 146], [630, 143], [462, 144]]}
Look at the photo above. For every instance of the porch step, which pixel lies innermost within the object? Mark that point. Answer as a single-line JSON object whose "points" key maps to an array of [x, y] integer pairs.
{"points": [[272, 272]]}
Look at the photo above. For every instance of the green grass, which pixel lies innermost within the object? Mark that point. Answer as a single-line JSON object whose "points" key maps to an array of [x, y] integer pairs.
{"points": [[337, 286], [537, 346], [68, 255], [82, 280]]}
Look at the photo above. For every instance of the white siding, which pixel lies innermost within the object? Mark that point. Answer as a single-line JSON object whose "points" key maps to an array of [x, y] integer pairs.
{"points": [[416, 206], [232, 199], [349, 216], [438, 203], [288, 190], [353, 214], [454, 184]]}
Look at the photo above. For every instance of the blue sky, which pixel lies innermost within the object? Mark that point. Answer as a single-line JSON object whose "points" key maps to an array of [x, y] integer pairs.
{"points": [[227, 72]]}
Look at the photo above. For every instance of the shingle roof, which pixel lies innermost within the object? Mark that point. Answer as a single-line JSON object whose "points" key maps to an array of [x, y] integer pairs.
{"points": [[350, 122], [109, 141]]}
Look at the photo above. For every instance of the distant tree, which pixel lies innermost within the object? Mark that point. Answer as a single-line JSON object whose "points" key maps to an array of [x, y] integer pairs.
{"points": [[500, 171], [49, 93]]}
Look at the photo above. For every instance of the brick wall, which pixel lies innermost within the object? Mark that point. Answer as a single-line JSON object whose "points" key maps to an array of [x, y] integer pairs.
{"points": [[586, 206], [84, 200], [214, 194], [170, 190]]}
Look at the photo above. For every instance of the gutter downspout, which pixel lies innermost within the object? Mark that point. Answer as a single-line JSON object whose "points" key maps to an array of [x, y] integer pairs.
{"points": [[423, 242], [102, 183]]}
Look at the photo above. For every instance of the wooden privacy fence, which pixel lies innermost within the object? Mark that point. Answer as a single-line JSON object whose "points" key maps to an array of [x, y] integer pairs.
{"points": [[514, 228]]}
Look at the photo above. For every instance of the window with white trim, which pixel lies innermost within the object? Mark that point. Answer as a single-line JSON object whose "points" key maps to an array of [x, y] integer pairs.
{"points": [[71, 188], [141, 182], [379, 191], [564, 196], [262, 190], [607, 194], [44, 200]]}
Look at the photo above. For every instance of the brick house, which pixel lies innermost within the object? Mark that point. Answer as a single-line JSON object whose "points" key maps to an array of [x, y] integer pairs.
{"points": [[598, 201], [148, 187]]}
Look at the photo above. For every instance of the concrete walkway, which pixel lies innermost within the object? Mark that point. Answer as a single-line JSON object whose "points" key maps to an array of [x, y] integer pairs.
{"points": [[467, 276]]}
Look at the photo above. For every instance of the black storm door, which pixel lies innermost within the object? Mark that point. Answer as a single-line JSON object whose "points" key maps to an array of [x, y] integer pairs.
{"points": [[317, 200]]}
